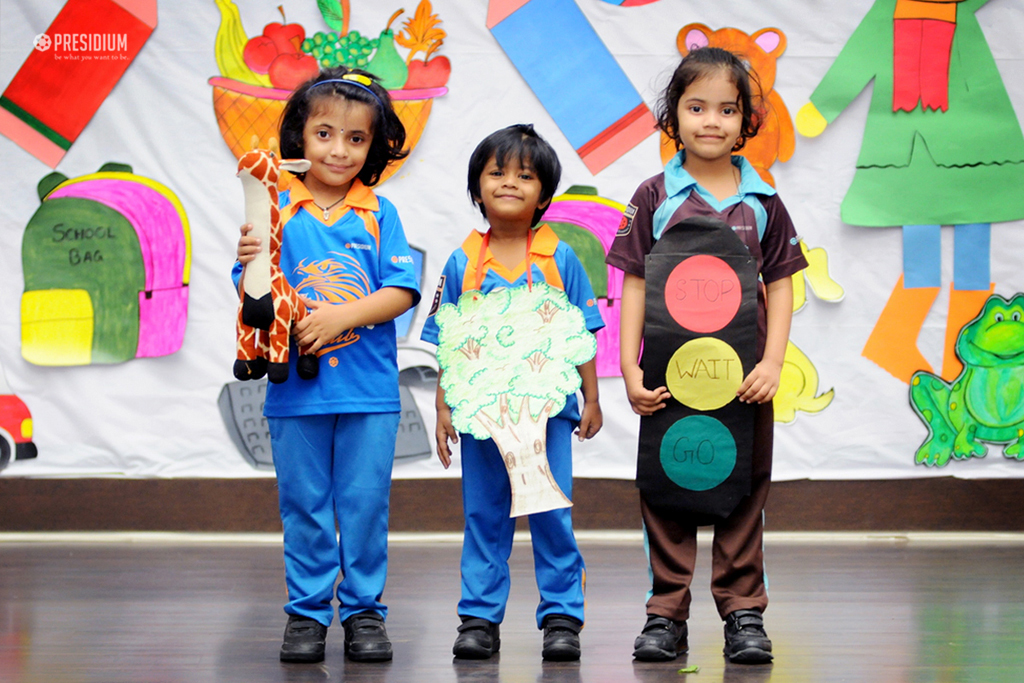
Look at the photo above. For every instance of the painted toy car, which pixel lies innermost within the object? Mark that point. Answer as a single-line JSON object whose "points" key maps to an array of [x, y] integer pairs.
{"points": [[15, 426]]}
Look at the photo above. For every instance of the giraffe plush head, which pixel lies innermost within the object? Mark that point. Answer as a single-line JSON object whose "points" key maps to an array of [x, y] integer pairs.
{"points": [[264, 167]]}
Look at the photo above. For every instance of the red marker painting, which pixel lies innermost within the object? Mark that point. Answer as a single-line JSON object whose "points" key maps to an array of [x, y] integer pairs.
{"points": [[72, 68]]}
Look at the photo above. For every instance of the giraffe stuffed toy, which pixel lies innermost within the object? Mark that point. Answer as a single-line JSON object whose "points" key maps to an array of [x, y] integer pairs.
{"points": [[267, 302]]}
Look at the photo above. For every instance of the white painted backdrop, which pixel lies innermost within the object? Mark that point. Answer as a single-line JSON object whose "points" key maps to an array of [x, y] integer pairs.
{"points": [[158, 417]]}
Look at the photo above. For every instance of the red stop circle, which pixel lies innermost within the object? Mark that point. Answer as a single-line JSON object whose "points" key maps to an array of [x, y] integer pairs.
{"points": [[703, 293]]}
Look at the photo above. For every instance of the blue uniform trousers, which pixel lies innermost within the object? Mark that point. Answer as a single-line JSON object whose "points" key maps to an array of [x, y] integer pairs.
{"points": [[334, 468], [487, 543]]}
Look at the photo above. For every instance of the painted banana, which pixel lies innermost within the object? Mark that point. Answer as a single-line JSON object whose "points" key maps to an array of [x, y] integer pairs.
{"points": [[798, 385], [229, 47]]}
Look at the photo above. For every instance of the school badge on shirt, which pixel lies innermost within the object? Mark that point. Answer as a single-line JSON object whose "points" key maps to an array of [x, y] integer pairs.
{"points": [[626, 225], [436, 303]]}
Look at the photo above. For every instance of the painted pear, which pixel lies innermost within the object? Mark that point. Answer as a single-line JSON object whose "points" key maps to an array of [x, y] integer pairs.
{"points": [[387, 64]]}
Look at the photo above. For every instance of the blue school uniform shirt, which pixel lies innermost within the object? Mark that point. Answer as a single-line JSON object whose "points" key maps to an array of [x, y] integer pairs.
{"points": [[358, 250], [551, 261]]}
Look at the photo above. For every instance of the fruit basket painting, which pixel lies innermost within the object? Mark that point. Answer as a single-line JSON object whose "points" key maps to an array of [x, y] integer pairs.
{"points": [[258, 74]]}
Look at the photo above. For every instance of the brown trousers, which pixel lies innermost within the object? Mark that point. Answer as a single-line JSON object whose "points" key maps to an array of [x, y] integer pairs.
{"points": [[737, 553]]}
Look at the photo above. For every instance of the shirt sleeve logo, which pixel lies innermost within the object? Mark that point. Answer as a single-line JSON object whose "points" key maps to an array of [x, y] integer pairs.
{"points": [[436, 304], [626, 225]]}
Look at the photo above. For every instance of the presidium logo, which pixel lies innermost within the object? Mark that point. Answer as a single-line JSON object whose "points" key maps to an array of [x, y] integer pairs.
{"points": [[84, 46]]}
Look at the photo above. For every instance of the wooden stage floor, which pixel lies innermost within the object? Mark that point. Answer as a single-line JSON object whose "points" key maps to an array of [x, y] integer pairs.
{"points": [[181, 609]]}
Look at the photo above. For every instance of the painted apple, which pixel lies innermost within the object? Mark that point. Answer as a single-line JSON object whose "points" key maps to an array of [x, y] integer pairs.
{"points": [[289, 71], [259, 52], [431, 74], [287, 37]]}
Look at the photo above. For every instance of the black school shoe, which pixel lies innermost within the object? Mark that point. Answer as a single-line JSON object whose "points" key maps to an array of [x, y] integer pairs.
{"points": [[745, 639], [561, 638], [477, 639], [661, 640], [304, 640], [366, 639]]}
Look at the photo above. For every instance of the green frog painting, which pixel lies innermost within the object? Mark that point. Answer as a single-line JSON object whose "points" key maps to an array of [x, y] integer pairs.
{"points": [[985, 403]]}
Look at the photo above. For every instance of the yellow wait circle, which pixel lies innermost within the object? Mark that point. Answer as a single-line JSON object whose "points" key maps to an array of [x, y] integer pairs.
{"points": [[704, 374]]}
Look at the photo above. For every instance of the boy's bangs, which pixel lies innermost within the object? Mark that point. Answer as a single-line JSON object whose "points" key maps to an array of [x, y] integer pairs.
{"points": [[514, 149]]}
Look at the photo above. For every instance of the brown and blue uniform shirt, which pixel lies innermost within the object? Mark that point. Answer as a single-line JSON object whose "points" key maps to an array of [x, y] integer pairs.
{"points": [[755, 213]]}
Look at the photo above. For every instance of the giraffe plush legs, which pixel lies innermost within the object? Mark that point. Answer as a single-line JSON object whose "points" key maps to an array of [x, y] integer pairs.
{"points": [[263, 337], [250, 362], [289, 309]]}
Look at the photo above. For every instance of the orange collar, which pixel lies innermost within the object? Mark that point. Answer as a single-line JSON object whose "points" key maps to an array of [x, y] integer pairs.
{"points": [[544, 243], [359, 197]]}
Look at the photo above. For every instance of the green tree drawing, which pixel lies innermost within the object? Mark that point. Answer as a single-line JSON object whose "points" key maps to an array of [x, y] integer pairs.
{"points": [[509, 360]]}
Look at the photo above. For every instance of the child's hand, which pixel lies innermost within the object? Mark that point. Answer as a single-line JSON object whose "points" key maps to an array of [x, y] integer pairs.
{"points": [[761, 384], [325, 322], [643, 401], [443, 433], [591, 420], [248, 246]]}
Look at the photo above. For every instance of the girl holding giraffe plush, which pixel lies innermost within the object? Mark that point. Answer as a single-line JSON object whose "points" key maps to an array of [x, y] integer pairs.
{"points": [[333, 435]]}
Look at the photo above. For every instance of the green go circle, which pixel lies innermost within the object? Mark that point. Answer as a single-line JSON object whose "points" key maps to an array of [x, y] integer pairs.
{"points": [[698, 453]]}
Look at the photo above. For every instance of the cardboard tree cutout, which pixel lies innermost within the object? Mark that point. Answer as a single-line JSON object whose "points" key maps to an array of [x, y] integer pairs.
{"points": [[700, 330], [509, 360], [267, 302]]}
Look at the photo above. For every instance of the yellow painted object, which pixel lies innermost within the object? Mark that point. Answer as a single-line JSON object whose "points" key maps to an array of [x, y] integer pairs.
{"points": [[229, 47], [57, 327], [798, 385], [818, 276], [809, 121]]}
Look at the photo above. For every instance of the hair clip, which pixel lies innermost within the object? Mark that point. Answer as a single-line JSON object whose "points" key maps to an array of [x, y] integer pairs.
{"points": [[358, 78]]}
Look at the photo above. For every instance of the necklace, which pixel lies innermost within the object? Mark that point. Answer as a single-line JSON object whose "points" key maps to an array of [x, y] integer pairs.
{"points": [[327, 210]]}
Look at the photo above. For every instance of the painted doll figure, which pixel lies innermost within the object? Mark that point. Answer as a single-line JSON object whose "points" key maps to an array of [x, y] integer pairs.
{"points": [[942, 146]]}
